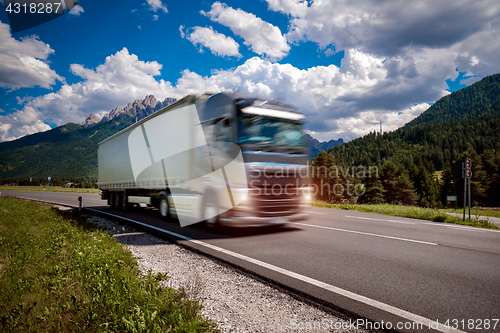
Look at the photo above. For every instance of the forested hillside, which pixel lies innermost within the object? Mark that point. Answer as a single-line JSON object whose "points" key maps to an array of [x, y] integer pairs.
{"points": [[67, 152], [424, 144], [474, 101], [404, 164]]}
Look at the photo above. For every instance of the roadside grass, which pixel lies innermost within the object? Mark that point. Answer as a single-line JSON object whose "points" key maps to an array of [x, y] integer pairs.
{"points": [[408, 211], [49, 189], [60, 273], [473, 212]]}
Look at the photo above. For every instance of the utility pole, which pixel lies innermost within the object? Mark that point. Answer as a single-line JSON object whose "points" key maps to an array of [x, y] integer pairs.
{"points": [[381, 127]]}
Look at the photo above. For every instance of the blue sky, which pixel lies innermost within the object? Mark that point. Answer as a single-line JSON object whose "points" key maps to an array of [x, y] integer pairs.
{"points": [[346, 64]]}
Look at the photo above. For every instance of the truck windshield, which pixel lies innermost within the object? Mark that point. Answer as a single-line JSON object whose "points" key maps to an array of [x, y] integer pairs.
{"points": [[269, 132]]}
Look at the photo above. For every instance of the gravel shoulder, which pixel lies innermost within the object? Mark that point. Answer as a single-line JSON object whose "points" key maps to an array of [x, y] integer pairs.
{"points": [[235, 300]]}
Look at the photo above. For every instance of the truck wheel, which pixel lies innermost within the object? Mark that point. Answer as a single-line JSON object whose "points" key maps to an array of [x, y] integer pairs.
{"points": [[210, 208], [124, 202], [118, 201], [164, 208], [112, 200]]}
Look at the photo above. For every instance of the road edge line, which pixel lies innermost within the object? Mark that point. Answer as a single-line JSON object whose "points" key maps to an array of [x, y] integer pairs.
{"points": [[348, 294]]}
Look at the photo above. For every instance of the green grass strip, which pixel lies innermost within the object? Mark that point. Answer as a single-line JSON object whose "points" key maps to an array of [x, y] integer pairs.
{"points": [[60, 273], [49, 189], [410, 212]]}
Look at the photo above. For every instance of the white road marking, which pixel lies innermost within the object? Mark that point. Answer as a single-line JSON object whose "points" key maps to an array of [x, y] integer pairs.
{"points": [[436, 224], [369, 218], [315, 213], [463, 228], [362, 299], [366, 233]]}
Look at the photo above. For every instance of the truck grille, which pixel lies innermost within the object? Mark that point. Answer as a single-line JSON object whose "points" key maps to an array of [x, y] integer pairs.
{"points": [[275, 195]]}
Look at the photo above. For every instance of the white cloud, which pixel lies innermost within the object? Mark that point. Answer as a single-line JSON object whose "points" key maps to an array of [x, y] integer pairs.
{"points": [[21, 123], [342, 101], [77, 10], [338, 101], [120, 79], [262, 37], [23, 63], [391, 29], [218, 43], [156, 5]]}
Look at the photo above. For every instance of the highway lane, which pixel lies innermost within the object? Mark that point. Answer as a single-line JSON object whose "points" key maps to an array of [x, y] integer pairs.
{"points": [[438, 271]]}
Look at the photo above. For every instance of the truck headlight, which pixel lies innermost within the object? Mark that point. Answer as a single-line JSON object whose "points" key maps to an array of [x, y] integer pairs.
{"points": [[306, 194], [241, 193]]}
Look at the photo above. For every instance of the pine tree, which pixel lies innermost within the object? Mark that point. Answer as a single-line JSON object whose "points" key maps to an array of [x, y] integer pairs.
{"points": [[389, 178], [405, 193], [374, 191]]}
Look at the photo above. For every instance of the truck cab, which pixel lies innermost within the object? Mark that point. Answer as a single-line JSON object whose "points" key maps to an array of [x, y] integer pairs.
{"points": [[269, 135]]}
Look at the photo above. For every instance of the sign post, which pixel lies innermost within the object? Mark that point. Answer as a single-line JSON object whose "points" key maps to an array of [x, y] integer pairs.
{"points": [[467, 175], [48, 184], [464, 170], [465, 186]]}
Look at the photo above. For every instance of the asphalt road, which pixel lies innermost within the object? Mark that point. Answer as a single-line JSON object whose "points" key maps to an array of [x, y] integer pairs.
{"points": [[395, 267]]}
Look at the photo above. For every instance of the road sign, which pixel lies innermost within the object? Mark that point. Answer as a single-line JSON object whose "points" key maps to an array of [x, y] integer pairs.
{"points": [[451, 198], [468, 168], [48, 179], [456, 170]]}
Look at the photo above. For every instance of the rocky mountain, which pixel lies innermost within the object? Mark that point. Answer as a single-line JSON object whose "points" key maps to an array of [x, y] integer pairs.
{"points": [[90, 121], [138, 109], [316, 146]]}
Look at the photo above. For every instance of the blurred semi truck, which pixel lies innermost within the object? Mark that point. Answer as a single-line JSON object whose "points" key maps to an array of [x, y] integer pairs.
{"points": [[225, 159]]}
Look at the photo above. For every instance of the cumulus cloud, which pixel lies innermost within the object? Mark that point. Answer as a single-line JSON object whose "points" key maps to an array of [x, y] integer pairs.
{"points": [[24, 63], [120, 79], [218, 43], [261, 37], [338, 101], [342, 101], [385, 27], [21, 123], [156, 5], [76, 10], [346, 101], [462, 29]]}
